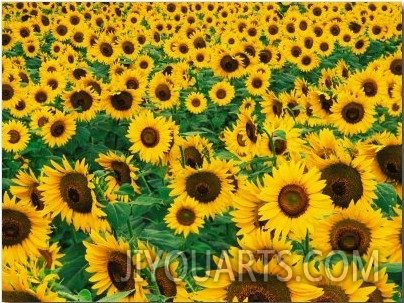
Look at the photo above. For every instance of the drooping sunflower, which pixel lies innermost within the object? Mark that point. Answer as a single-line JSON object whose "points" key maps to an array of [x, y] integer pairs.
{"points": [[150, 136], [356, 229], [17, 285], [25, 230], [185, 217], [335, 289], [51, 256], [208, 185], [113, 267], [59, 129], [196, 103], [26, 188], [352, 113], [162, 92], [69, 191], [83, 103], [262, 284], [222, 93], [294, 201], [15, 136], [123, 172]]}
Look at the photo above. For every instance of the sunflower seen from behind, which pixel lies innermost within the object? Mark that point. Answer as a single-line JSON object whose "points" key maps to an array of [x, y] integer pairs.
{"points": [[68, 190], [294, 201], [114, 268], [25, 230]]}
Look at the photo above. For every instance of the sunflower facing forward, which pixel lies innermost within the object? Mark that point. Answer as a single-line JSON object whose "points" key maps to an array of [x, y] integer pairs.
{"points": [[15, 136], [25, 230], [113, 268], [69, 191], [150, 136], [59, 129], [294, 201], [208, 185]]}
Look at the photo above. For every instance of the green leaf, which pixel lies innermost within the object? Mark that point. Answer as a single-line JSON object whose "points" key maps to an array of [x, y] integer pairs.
{"points": [[386, 197], [279, 134], [147, 201], [125, 189], [85, 296], [393, 267], [116, 297], [117, 213]]}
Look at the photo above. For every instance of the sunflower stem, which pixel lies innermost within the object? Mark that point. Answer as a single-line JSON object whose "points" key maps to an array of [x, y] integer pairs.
{"points": [[74, 237], [145, 182], [130, 229], [67, 296]]}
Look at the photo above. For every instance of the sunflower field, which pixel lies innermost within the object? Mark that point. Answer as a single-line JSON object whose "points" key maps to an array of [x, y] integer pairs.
{"points": [[201, 152]]}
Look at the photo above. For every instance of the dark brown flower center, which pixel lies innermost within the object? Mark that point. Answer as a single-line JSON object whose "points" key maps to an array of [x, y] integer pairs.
{"points": [[48, 258], [308, 42], [273, 29], [353, 112], [251, 131], [205, 187], [95, 86], [240, 140], [390, 161], [370, 88], [195, 102], [122, 101], [57, 129], [61, 30], [20, 105], [75, 192], [221, 93], [396, 67], [326, 103], [350, 235], [185, 216], [122, 172], [324, 46], [14, 136], [79, 73], [41, 97], [376, 295], [343, 183], [296, 51], [5, 39], [332, 293], [306, 60], [106, 49], [16, 227], [132, 83], [150, 137], [78, 37], [19, 296], [128, 47], [293, 200], [81, 99], [193, 157], [228, 64], [199, 42], [265, 56], [163, 92], [36, 197], [266, 288], [121, 271], [359, 44], [42, 121], [256, 83], [279, 144], [167, 286]]}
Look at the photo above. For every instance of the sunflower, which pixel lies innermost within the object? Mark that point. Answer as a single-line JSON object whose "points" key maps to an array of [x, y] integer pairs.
{"points": [[21, 109], [9, 93], [8, 37], [19, 284], [150, 136], [336, 290], [25, 230], [83, 103], [123, 172], [294, 201], [208, 185], [292, 143], [59, 129], [397, 225], [104, 50], [61, 30], [356, 229], [31, 47], [26, 189], [144, 64], [271, 106], [56, 81], [386, 159], [196, 103], [162, 92], [113, 268], [121, 103], [39, 117], [195, 151], [260, 285], [127, 47], [69, 191], [42, 95], [15, 136], [372, 84], [384, 290], [200, 57], [130, 79], [247, 207], [308, 61], [51, 256], [352, 114], [257, 83], [222, 93], [226, 64], [360, 45], [185, 216]]}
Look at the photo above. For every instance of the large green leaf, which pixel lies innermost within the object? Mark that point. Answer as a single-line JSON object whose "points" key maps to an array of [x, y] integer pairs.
{"points": [[117, 213], [116, 297]]}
